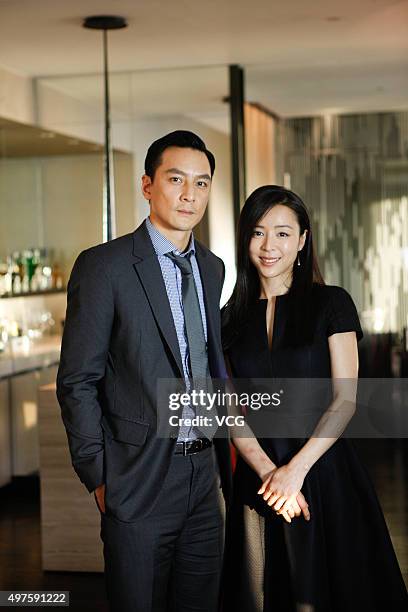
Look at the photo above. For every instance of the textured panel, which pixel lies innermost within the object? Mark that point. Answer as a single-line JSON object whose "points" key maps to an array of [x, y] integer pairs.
{"points": [[70, 522], [352, 172]]}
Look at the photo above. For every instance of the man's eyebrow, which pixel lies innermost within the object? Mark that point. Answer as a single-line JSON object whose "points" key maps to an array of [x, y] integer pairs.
{"points": [[178, 171], [175, 171]]}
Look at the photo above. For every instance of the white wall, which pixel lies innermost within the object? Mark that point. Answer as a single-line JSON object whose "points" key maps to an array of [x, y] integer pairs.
{"points": [[67, 115], [16, 97], [35, 102]]}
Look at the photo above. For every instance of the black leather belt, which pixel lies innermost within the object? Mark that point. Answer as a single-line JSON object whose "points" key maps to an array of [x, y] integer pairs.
{"points": [[190, 447]]}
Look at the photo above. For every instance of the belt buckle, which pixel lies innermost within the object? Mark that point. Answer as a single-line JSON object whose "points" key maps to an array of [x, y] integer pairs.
{"points": [[194, 446]]}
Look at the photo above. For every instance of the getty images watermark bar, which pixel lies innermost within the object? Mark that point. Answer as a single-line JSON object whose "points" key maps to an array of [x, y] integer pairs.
{"points": [[285, 407]]}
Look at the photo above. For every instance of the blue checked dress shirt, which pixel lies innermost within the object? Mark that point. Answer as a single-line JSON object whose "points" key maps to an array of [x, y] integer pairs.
{"points": [[172, 279]]}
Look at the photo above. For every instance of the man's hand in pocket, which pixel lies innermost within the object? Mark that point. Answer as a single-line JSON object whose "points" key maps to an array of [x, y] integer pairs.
{"points": [[99, 494]]}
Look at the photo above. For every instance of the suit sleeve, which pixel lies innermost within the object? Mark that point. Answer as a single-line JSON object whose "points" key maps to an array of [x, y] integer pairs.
{"points": [[84, 351]]}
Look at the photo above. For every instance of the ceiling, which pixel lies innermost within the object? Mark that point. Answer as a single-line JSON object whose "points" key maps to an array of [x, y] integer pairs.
{"points": [[150, 93], [301, 58], [198, 93]]}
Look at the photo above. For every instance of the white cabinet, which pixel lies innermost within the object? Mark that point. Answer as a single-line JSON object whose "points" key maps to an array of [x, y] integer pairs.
{"points": [[24, 419], [5, 445]]}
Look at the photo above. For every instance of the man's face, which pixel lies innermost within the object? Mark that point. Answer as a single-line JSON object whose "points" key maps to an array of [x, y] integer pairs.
{"points": [[180, 189]]}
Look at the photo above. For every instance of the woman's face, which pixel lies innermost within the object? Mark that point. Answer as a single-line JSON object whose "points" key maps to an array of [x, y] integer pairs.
{"points": [[275, 242]]}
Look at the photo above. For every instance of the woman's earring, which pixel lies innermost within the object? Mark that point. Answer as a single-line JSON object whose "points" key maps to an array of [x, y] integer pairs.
{"points": [[298, 262]]}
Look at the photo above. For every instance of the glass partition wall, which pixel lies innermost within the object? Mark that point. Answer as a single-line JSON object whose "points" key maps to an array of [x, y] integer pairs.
{"points": [[352, 171], [144, 106]]}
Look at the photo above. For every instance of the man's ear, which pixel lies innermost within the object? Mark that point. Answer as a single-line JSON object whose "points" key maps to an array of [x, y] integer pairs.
{"points": [[146, 187]]}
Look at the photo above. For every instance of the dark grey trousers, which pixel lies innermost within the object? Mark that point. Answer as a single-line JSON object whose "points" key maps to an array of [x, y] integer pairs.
{"points": [[170, 561]]}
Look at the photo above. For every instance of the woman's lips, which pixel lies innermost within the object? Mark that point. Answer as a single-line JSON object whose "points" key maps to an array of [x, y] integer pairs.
{"points": [[269, 261]]}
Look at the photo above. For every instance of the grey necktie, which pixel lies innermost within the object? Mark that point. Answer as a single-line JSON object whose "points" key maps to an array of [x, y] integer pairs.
{"points": [[199, 369]]}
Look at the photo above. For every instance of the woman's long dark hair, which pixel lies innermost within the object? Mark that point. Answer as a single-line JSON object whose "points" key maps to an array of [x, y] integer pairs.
{"points": [[247, 286]]}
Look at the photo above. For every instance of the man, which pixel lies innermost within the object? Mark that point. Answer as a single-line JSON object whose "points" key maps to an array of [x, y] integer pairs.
{"points": [[140, 308]]}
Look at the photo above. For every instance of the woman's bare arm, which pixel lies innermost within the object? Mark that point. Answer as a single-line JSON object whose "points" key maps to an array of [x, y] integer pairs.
{"points": [[286, 481]]}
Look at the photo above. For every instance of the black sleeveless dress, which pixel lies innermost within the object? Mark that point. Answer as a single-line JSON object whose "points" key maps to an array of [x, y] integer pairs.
{"points": [[342, 560]]}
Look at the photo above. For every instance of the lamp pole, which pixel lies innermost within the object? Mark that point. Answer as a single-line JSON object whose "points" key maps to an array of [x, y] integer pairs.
{"points": [[105, 23]]}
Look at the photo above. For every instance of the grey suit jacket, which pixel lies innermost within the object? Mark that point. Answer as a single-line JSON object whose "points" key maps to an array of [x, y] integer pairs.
{"points": [[119, 339]]}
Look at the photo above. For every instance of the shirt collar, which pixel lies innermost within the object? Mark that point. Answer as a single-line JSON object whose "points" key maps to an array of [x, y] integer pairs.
{"points": [[163, 245]]}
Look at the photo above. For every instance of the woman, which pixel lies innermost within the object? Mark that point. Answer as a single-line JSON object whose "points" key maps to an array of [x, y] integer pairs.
{"points": [[306, 530]]}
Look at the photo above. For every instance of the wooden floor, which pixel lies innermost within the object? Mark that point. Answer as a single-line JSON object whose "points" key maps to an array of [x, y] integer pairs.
{"points": [[20, 554]]}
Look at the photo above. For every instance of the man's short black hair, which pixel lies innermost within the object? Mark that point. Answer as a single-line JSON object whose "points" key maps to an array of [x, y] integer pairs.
{"points": [[179, 138]]}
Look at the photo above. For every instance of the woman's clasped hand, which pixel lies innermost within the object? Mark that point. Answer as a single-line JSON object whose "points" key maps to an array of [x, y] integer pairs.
{"points": [[281, 489]]}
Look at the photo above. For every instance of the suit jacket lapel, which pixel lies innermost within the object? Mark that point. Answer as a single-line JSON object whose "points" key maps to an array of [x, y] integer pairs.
{"points": [[149, 272]]}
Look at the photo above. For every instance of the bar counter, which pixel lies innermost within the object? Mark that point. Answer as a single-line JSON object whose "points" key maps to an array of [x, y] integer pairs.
{"points": [[22, 355]]}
